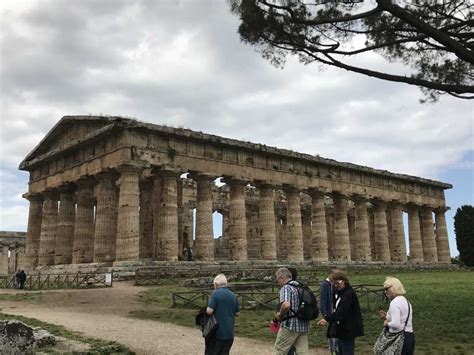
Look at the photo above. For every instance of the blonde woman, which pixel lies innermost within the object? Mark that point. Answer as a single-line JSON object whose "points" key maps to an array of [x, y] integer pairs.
{"points": [[399, 316]]}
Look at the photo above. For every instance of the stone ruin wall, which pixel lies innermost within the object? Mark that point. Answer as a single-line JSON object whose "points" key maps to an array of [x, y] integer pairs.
{"points": [[12, 251], [109, 189]]}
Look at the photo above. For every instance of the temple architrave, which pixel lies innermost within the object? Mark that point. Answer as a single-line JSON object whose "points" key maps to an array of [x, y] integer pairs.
{"points": [[112, 190]]}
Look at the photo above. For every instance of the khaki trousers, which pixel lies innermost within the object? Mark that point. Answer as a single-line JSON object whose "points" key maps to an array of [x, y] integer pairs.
{"points": [[286, 338]]}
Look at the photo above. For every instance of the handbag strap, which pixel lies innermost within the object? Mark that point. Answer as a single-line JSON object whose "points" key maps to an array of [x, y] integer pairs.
{"points": [[408, 317]]}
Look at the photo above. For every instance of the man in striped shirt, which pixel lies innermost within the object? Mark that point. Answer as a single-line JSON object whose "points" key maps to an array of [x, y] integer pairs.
{"points": [[293, 331]]}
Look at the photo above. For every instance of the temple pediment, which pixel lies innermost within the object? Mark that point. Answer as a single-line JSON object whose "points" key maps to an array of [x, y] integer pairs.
{"points": [[69, 131]]}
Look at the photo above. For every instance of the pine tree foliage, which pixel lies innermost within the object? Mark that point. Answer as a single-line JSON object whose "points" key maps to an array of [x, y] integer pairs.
{"points": [[464, 229], [434, 39]]}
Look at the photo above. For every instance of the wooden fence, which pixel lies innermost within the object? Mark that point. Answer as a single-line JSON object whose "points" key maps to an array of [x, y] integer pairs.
{"points": [[59, 281], [371, 297]]}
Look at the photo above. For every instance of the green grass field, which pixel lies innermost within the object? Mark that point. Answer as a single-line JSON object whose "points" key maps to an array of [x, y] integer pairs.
{"points": [[443, 306]]}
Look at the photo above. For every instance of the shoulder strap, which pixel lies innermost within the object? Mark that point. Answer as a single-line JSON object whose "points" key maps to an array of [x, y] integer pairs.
{"points": [[408, 317]]}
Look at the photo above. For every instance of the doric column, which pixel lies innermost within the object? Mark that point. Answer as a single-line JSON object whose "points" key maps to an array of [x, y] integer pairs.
{"points": [[48, 228], [83, 244], [146, 220], [106, 218], [442, 243], [319, 235], [430, 254], [294, 228], [35, 216], [65, 228], [398, 249], [266, 207], [204, 242], [362, 236], [237, 220], [414, 234], [307, 235], [382, 248], [188, 227], [341, 245], [167, 215], [128, 219]]}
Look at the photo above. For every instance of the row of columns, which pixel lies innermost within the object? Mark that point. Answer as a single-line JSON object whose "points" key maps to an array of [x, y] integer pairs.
{"points": [[72, 233]]}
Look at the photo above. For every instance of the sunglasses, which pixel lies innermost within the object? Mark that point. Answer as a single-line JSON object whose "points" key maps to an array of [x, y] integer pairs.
{"points": [[386, 288]]}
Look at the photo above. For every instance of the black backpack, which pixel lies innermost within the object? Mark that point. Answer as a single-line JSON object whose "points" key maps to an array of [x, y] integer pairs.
{"points": [[308, 307]]}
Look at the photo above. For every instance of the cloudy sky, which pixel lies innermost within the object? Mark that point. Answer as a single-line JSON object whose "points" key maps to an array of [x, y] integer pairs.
{"points": [[182, 63]]}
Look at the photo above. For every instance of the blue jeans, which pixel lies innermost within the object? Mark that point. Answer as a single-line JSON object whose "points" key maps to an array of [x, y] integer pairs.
{"points": [[346, 346]]}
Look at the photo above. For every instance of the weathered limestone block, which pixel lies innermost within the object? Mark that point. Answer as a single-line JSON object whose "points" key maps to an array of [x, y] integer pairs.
{"points": [[105, 219], [35, 216], [341, 246], [65, 229], [237, 221], [382, 248], [362, 235], [83, 244], [430, 253], [128, 224], [18, 338], [397, 236], [48, 229], [146, 220], [294, 228], [319, 234], [204, 242], [414, 234], [442, 243], [4, 269], [267, 223]]}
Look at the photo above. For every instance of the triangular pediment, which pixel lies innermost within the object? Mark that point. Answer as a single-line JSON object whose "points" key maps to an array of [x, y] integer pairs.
{"points": [[67, 131]]}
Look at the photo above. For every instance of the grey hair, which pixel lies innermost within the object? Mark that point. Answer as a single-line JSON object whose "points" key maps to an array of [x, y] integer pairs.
{"points": [[220, 280], [283, 271]]}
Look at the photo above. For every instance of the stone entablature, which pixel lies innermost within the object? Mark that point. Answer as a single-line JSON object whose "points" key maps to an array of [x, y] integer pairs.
{"points": [[120, 139], [105, 189]]}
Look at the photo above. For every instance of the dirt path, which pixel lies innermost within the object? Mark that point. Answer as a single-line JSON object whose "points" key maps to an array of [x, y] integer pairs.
{"points": [[103, 313]]}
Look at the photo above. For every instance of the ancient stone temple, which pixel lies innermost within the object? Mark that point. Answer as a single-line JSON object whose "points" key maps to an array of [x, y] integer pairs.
{"points": [[112, 190]]}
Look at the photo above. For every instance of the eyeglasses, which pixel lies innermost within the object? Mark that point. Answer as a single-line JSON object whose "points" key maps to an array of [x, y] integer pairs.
{"points": [[386, 288]]}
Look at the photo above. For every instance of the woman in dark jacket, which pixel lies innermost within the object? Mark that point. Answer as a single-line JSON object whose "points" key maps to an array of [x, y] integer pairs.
{"points": [[347, 314]]}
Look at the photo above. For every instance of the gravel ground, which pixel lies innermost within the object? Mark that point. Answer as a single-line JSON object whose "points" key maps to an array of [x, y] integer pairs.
{"points": [[103, 313]]}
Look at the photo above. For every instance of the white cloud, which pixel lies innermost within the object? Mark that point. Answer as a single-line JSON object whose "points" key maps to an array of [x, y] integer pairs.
{"points": [[182, 63]]}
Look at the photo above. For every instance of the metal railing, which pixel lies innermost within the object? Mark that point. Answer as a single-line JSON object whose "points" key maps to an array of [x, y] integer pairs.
{"points": [[59, 281]]}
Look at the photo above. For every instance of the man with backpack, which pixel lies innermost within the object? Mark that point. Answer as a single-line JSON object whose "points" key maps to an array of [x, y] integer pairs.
{"points": [[294, 314]]}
